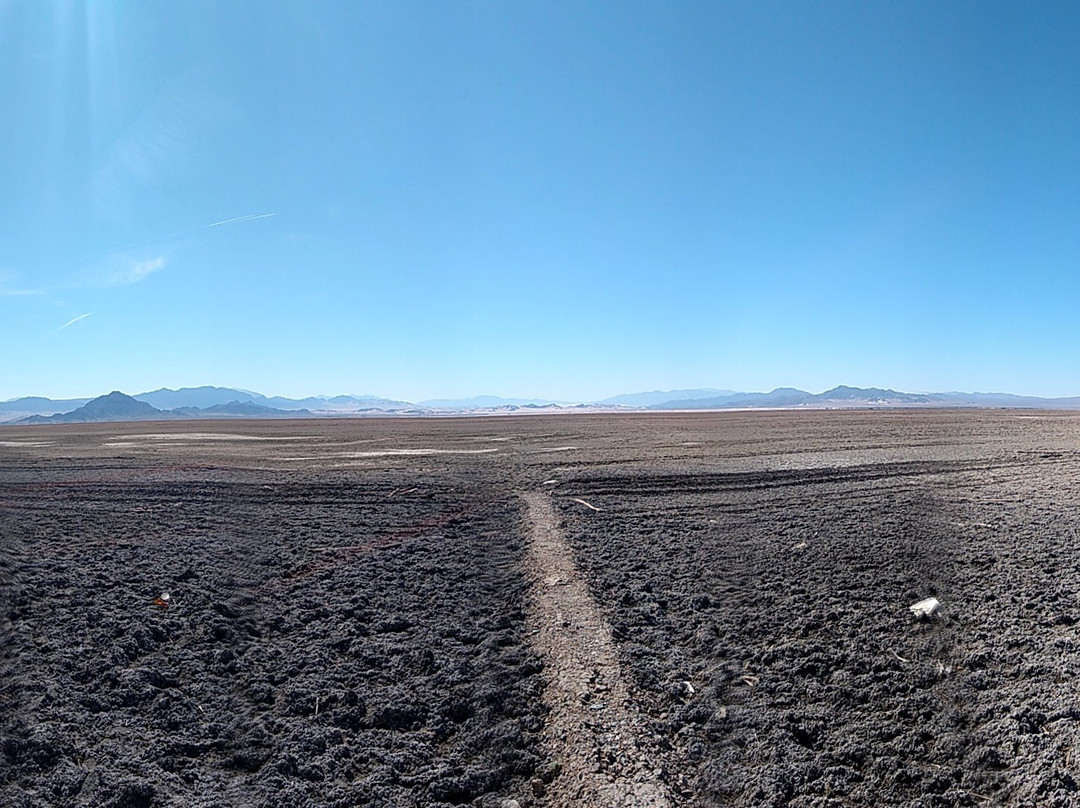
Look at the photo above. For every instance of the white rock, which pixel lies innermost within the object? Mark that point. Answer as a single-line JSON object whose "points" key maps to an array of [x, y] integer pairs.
{"points": [[925, 608]]}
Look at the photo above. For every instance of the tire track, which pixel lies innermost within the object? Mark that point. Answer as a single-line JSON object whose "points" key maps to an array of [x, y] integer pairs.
{"points": [[595, 732]]}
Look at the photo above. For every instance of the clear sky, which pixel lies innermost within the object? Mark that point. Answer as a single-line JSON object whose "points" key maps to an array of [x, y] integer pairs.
{"points": [[566, 199]]}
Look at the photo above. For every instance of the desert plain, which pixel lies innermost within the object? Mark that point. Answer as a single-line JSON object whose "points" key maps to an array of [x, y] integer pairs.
{"points": [[677, 609]]}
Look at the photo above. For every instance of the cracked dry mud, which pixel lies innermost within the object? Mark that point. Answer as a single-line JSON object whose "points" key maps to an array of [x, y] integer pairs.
{"points": [[429, 612]]}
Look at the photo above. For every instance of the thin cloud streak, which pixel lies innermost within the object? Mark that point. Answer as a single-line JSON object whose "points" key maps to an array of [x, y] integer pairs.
{"points": [[20, 292], [137, 271], [250, 218], [73, 320]]}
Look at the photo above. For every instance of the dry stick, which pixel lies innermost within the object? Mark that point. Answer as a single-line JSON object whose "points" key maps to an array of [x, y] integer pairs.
{"points": [[586, 504]]}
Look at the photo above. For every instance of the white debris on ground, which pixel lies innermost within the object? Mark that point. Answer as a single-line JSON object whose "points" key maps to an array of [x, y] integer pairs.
{"points": [[925, 608]]}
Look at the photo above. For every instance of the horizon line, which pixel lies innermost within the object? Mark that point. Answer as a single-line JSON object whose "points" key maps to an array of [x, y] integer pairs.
{"points": [[720, 393]]}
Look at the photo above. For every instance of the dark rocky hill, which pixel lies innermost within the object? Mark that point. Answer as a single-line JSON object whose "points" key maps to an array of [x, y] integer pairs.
{"points": [[112, 407]]}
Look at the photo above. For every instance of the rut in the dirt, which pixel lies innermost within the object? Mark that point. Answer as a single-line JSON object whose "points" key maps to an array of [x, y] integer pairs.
{"points": [[594, 731]]}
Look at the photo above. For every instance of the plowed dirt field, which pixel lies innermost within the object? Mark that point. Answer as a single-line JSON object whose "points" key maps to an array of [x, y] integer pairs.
{"points": [[674, 609]]}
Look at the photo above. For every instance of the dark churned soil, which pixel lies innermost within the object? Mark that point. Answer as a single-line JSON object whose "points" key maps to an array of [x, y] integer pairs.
{"points": [[331, 642], [782, 600], [356, 613]]}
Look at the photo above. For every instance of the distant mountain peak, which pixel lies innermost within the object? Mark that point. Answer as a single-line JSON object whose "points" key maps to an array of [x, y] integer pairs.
{"points": [[114, 406]]}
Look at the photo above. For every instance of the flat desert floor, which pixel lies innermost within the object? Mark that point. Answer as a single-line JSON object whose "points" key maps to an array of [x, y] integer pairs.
{"points": [[703, 609]]}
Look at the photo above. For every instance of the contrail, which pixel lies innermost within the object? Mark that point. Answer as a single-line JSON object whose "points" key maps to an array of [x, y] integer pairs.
{"points": [[74, 320], [238, 219]]}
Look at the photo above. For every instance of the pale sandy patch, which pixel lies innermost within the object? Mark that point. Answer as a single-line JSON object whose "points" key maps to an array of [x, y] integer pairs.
{"points": [[595, 730]]}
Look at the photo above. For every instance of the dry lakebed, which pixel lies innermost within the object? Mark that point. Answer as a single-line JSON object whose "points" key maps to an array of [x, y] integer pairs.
{"points": [[678, 609]]}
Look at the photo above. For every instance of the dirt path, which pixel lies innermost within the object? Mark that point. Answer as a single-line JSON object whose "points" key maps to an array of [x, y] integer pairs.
{"points": [[594, 731]]}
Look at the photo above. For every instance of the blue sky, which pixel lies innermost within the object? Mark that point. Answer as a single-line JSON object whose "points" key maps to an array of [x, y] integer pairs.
{"points": [[539, 198]]}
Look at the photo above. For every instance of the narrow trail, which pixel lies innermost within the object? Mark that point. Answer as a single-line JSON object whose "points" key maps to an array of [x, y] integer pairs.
{"points": [[594, 731]]}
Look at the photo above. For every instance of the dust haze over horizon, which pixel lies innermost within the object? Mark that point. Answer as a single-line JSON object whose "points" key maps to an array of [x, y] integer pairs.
{"points": [[574, 200]]}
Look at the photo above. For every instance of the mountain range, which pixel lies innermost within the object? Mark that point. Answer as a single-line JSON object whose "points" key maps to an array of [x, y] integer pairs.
{"points": [[844, 397], [226, 402], [116, 406]]}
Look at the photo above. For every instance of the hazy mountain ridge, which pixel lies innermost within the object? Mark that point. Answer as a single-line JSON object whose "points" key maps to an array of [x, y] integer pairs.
{"points": [[868, 397], [655, 397], [38, 405], [207, 396], [238, 409], [227, 402]]}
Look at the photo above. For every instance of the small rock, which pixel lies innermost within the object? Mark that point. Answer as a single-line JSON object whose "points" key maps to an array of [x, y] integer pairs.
{"points": [[925, 608], [538, 787]]}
